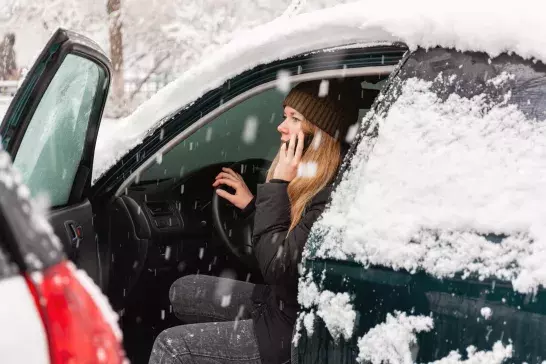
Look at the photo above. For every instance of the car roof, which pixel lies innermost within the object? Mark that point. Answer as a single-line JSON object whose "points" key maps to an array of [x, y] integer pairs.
{"points": [[363, 22]]}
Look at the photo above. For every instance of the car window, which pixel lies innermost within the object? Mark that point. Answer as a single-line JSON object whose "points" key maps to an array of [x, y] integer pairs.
{"points": [[248, 130], [51, 149], [449, 173]]}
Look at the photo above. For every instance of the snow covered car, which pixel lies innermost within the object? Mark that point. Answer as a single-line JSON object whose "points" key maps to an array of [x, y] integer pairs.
{"points": [[51, 312], [431, 247]]}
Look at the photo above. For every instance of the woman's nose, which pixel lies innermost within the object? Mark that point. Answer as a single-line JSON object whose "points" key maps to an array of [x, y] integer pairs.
{"points": [[282, 128]]}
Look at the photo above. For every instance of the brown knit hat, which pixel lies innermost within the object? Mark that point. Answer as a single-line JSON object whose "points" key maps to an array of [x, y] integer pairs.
{"points": [[332, 112]]}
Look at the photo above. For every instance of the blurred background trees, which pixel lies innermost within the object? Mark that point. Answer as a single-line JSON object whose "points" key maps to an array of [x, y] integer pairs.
{"points": [[150, 42]]}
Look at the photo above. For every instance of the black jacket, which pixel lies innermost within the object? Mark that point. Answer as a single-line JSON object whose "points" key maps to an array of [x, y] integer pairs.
{"points": [[279, 254]]}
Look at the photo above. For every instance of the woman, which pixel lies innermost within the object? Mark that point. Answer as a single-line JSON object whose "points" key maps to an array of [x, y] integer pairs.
{"points": [[241, 322]]}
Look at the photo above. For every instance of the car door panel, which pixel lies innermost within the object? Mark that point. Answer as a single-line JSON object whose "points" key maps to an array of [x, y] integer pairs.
{"points": [[472, 309], [74, 225], [50, 131]]}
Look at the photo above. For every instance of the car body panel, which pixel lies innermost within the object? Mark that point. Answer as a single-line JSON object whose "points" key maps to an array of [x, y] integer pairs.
{"points": [[467, 310], [22, 335]]}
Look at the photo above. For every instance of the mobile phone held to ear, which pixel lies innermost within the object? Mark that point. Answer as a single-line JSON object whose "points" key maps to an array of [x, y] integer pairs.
{"points": [[307, 140]]}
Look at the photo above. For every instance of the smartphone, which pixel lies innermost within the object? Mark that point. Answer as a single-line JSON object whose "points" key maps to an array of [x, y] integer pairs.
{"points": [[307, 140]]}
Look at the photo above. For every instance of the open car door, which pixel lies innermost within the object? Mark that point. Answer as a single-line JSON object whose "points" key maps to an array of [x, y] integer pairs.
{"points": [[50, 130]]}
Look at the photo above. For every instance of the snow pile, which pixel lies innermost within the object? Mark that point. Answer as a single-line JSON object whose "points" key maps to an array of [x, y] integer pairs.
{"points": [[391, 341], [395, 342], [335, 309], [489, 27], [498, 355], [439, 177]]}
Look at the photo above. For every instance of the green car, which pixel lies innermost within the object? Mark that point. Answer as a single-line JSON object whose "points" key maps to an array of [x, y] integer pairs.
{"points": [[431, 248]]}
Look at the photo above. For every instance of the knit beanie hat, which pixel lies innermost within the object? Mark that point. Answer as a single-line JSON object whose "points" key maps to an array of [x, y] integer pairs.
{"points": [[332, 106]]}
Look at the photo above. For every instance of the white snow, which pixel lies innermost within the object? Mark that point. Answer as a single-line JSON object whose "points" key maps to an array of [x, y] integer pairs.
{"points": [[250, 130], [283, 81], [324, 88], [486, 312], [337, 312], [489, 27], [309, 322], [351, 133], [391, 341], [498, 355], [335, 309], [307, 169], [439, 175], [395, 342]]}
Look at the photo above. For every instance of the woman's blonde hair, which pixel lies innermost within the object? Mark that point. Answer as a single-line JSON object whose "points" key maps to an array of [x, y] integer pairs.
{"points": [[321, 160]]}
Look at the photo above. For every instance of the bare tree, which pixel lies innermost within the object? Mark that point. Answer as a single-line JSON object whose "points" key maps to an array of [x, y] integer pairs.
{"points": [[113, 8]]}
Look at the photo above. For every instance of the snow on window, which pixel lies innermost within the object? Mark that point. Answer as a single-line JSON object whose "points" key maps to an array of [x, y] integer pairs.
{"points": [[335, 309], [437, 181], [391, 341]]}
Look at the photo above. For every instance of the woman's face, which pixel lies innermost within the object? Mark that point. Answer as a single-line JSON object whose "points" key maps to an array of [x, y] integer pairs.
{"points": [[292, 123]]}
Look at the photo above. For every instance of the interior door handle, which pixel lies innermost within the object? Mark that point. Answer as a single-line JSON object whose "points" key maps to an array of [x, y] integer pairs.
{"points": [[75, 233]]}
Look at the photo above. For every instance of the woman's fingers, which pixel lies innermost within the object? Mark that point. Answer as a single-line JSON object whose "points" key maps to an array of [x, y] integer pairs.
{"points": [[226, 175], [226, 181], [282, 154], [291, 145], [299, 148], [230, 172]]}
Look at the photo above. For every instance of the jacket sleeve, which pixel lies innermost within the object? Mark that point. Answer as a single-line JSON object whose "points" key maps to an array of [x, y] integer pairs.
{"points": [[279, 253]]}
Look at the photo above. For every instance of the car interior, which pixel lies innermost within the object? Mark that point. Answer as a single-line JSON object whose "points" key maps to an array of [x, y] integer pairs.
{"points": [[169, 224]]}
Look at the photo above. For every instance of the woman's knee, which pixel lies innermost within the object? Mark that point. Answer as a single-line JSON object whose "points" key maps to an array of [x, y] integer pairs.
{"points": [[191, 286], [169, 347], [190, 292]]}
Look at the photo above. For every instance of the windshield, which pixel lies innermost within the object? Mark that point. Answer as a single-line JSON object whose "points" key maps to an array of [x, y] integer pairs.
{"points": [[449, 174]]}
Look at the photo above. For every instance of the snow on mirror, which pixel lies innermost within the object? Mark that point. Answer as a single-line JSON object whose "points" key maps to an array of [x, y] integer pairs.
{"points": [[449, 175]]}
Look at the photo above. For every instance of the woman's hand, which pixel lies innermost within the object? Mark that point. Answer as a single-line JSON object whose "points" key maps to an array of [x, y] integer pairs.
{"points": [[242, 196], [289, 159]]}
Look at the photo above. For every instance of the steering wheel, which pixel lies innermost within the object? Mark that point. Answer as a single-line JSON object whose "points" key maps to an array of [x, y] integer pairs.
{"points": [[234, 229]]}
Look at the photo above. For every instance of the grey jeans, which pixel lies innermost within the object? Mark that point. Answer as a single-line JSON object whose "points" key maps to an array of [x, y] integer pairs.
{"points": [[219, 328]]}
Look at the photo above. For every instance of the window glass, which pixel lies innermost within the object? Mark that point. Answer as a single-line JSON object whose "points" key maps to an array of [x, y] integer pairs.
{"points": [[248, 130], [51, 150]]}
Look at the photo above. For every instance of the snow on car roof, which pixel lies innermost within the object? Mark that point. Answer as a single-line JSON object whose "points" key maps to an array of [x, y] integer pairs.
{"points": [[490, 26]]}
